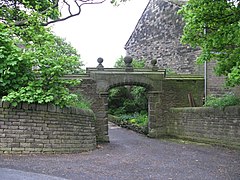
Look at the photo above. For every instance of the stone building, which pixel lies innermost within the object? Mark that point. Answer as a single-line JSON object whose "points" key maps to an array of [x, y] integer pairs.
{"points": [[157, 37]]}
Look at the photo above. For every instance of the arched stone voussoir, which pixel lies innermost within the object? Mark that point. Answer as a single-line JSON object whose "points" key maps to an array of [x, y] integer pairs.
{"points": [[108, 80]]}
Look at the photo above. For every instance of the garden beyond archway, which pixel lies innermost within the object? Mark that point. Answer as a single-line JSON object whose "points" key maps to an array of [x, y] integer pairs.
{"points": [[163, 92]]}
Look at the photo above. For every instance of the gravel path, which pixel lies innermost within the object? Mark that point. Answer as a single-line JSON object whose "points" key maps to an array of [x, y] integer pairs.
{"points": [[135, 157]]}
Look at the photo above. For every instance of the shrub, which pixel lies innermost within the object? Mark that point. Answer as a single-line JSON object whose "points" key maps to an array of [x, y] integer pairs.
{"points": [[226, 100], [81, 102], [140, 119], [33, 73]]}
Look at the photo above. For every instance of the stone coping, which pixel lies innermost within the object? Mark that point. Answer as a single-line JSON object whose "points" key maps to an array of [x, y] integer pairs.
{"points": [[47, 107], [233, 110]]}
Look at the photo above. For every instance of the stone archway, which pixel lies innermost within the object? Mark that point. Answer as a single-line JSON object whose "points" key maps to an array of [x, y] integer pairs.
{"points": [[163, 93], [106, 79]]}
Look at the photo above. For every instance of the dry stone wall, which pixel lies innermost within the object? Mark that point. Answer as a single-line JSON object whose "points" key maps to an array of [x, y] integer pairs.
{"points": [[45, 128], [157, 36], [221, 125]]}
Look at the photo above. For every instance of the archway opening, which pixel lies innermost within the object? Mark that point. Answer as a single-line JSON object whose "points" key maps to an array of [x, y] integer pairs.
{"points": [[128, 107]]}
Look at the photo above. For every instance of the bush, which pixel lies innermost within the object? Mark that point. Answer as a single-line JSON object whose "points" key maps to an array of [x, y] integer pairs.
{"points": [[127, 100], [81, 102], [226, 100], [32, 66], [139, 119]]}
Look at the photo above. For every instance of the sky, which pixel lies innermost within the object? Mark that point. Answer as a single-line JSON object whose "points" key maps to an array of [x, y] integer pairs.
{"points": [[101, 30]]}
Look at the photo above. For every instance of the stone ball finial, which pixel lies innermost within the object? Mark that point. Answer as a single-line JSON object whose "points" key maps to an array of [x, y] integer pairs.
{"points": [[153, 63], [128, 62], [100, 60], [100, 66]]}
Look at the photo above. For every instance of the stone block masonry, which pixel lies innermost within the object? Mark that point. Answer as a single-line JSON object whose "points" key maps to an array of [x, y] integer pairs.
{"points": [[220, 125], [157, 37], [39, 128]]}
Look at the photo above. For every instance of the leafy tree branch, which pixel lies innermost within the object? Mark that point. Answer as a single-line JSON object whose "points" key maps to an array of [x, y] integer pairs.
{"points": [[16, 12], [214, 26]]}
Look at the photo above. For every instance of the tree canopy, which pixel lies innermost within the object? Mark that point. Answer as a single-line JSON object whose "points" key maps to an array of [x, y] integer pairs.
{"points": [[32, 64], [17, 12], [32, 58], [214, 26]]}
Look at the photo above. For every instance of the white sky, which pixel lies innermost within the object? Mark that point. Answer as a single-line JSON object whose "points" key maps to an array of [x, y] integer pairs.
{"points": [[101, 30]]}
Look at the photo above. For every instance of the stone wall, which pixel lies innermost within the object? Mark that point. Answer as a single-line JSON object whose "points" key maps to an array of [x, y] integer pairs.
{"points": [[174, 93], [221, 125], [88, 88], [157, 36], [177, 91], [45, 128], [216, 84]]}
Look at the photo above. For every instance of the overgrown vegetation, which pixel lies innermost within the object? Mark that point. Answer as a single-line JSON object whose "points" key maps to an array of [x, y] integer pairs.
{"points": [[139, 119], [129, 103], [136, 122], [127, 100], [82, 102], [32, 59], [223, 101]]}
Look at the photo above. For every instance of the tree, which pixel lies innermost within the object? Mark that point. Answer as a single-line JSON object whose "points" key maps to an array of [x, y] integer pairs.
{"points": [[135, 63], [214, 26], [33, 59], [14, 70], [49, 11], [32, 66]]}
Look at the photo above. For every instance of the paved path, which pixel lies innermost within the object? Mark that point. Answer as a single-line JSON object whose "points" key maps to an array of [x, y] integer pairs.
{"points": [[129, 156]]}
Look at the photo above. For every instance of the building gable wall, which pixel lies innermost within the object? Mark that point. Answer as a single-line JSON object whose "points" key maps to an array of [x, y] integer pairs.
{"points": [[157, 36]]}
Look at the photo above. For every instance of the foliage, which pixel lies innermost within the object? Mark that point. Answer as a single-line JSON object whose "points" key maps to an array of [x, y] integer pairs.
{"points": [[127, 99], [20, 12], [139, 119], [226, 100], [81, 102], [118, 2], [214, 26], [170, 71], [135, 63], [33, 60], [14, 70], [49, 11]]}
